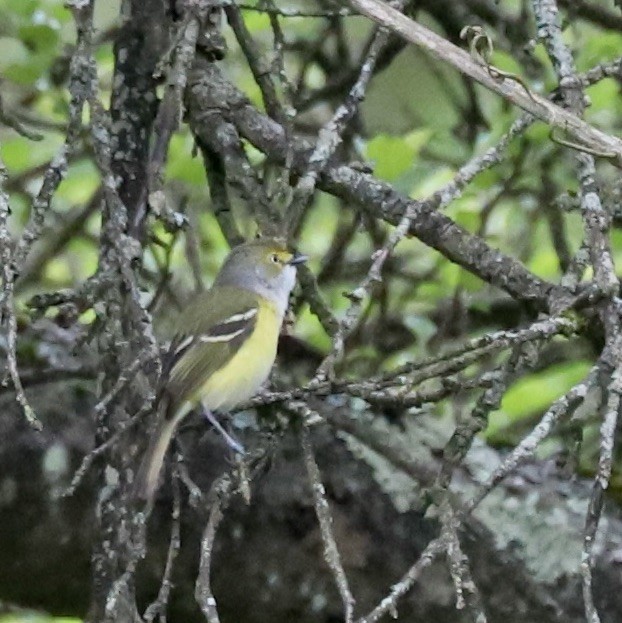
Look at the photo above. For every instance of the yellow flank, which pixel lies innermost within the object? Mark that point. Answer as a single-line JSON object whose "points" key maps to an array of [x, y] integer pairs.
{"points": [[248, 368]]}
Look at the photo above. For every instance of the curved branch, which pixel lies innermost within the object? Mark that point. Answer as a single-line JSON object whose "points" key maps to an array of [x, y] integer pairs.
{"points": [[592, 139], [209, 91]]}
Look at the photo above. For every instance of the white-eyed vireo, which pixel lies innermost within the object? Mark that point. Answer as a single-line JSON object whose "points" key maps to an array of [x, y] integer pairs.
{"points": [[225, 345]]}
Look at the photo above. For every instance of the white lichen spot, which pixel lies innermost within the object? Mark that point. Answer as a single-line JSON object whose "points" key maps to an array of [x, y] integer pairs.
{"points": [[8, 491], [118, 80], [55, 462], [157, 202], [305, 588], [273, 579], [318, 602], [111, 475]]}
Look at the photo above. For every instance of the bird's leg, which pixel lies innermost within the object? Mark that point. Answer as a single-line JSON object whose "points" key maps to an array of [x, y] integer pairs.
{"points": [[232, 442]]}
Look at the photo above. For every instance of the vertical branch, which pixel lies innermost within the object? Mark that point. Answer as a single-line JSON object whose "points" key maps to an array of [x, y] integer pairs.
{"points": [[203, 588], [258, 65], [13, 262], [454, 453], [601, 484], [124, 330], [158, 607], [170, 109], [139, 45], [113, 563], [203, 594], [330, 136], [217, 180], [7, 303], [218, 498], [268, 216], [462, 438], [266, 75], [467, 593], [322, 510], [596, 225], [596, 221], [326, 369], [217, 137], [79, 90]]}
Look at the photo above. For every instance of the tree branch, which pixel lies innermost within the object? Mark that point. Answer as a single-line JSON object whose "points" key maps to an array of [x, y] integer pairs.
{"points": [[583, 133]]}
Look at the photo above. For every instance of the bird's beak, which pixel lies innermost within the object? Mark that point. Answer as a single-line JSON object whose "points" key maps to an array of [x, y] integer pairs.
{"points": [[298, 258]]}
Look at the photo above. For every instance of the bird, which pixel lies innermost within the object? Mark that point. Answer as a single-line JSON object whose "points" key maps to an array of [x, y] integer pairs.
{"points": [[225, 344]]}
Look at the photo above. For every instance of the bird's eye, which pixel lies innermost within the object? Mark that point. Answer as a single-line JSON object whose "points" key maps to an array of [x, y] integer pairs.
{"points": [[275, 258]]}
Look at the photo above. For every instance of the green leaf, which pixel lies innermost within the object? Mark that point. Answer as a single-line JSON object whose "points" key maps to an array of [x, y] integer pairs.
{"points": [[13, 52], [426, 180], [19, 7], [39, 37], [309, 329], [57, 271], [80, 184], [182, 165], [394, 155], [533, 394], [256, 21], [19, 154]]}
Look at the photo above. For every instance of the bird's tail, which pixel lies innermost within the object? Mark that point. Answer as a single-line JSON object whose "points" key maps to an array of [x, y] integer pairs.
{"points": [[146, 481]]}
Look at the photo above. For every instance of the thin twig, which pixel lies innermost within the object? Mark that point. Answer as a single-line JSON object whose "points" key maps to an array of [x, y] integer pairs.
{"points": [[379, 389], [492, 156], [467, 593], [262, 7], [330, 136], [170, 110], [158, 607], [357, 296], [203, 588], [322, 511], [126, 376], [388, 605], [601, 484], [12, 121], [561, 409], [89, 458], [7, 304]]}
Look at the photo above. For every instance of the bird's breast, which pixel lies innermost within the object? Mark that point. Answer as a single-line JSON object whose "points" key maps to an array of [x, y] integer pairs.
{"points": [[249, 368]]}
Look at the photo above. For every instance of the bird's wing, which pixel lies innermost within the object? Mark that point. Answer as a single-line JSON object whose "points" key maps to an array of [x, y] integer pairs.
{"points": [[211, 331]]}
